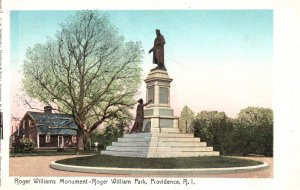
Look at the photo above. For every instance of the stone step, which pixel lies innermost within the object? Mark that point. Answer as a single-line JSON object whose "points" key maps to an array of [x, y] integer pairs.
{"points": [[161, 139], [125, 154], [146, 144], [160, 154], [183, 154], [158, 135], [125, 149], [135, 139], [159, 145], [165, 130], [159, 149]]}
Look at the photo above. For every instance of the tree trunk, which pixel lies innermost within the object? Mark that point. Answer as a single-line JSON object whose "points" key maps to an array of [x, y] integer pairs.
{"points": [[82, 139]]}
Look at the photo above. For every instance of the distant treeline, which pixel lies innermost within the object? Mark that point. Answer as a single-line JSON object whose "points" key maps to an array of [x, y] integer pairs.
{"points": [[250, 133]]}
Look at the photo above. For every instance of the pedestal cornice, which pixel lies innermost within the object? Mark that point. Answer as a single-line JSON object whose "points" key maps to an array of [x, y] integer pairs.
{"points": [[158, 75]]}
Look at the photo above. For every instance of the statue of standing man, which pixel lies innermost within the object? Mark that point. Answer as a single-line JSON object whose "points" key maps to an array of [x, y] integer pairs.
{"points": [[158, 51]]}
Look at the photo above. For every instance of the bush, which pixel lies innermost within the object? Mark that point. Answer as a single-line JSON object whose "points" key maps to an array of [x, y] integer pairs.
{"points": [[214, 128], [253, 132], [61, 150], [111, 133], [250, 133], [27, 145]]}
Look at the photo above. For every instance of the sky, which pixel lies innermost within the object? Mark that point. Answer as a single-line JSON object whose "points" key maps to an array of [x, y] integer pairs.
{"points": [[219, 59]]}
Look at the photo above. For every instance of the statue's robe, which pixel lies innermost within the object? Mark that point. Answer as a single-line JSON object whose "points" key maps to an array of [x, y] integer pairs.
{"points": [[158, 51], [139, 119]]}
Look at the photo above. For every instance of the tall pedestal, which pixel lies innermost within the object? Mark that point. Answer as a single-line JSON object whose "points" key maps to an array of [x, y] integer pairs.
{"points": [[161, 137], [158, 116]]}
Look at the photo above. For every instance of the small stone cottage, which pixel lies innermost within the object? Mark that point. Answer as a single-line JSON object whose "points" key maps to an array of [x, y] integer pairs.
{"points": [[47, 130]]}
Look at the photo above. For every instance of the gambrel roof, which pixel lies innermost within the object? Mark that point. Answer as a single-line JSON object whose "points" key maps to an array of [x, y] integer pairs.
{"points": [[54, 123]]}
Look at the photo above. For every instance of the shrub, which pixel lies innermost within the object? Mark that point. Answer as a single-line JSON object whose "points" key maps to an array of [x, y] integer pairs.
{"points": [[214, 128], [253, 132], [111, 133], [27, 144]]}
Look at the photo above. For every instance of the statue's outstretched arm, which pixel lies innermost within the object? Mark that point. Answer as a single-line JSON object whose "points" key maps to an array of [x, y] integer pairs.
{"points": [[148, 103], [151, 50]]}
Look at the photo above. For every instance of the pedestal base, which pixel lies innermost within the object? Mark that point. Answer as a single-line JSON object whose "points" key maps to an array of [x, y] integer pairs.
{"points": [[162, 144]]}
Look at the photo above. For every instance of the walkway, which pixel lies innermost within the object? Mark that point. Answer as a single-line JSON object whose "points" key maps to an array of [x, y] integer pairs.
{"points": [[39, 166]]}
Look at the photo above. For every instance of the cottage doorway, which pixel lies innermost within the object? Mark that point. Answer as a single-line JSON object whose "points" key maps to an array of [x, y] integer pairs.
{"points": [[60, 142]]}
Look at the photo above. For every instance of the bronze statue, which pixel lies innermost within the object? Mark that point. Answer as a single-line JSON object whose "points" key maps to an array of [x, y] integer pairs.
{"points": [[139, 119], [158, 51]]}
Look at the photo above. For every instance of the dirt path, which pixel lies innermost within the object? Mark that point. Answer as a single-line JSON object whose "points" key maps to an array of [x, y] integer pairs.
{"points": [[39, 166]]}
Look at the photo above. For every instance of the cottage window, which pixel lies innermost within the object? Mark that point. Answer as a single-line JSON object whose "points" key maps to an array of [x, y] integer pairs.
{"points": [[13, 139], [24, 124], [47, 138], [22, 139], [29, 123], [30, 137], [74, 139], [18, 129]]}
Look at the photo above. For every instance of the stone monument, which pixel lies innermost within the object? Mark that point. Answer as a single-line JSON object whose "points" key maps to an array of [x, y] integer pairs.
{"points": [[159, 114], [160, 137]]}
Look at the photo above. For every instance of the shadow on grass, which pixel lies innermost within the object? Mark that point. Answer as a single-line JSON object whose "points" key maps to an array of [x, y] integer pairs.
{"points": [[162, 163]]}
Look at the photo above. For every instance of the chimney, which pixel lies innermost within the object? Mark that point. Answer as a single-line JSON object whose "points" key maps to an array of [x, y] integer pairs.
{"points": [[48, 109]]}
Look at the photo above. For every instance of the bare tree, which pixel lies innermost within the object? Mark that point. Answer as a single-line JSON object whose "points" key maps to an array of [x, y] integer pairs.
{"points": [[87, 70]]}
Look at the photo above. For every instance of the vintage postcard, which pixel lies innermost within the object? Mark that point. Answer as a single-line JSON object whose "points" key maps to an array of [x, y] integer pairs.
{"points": [[152, 94]]}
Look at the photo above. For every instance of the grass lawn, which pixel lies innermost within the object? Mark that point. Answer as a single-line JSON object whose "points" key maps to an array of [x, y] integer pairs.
{"points": [[163, 163]]}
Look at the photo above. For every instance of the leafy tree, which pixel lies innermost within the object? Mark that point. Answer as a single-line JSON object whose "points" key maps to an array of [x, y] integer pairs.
{"points": [[85, 69], [214, 128], [111, 133], [254, 131], [93, 137], [185, 120]]}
